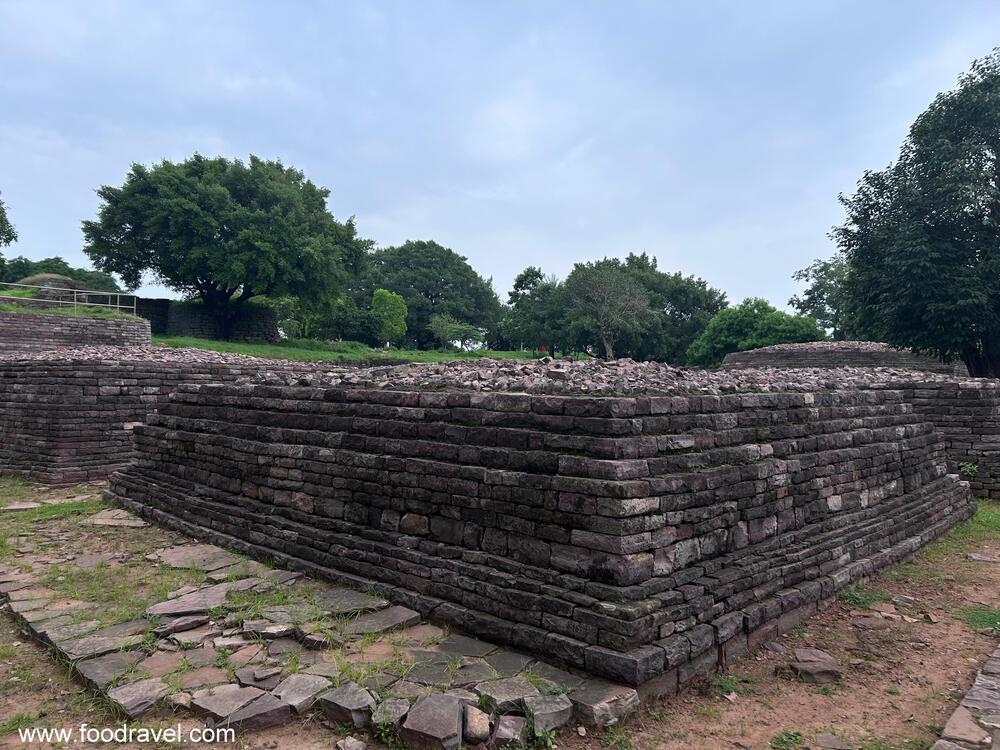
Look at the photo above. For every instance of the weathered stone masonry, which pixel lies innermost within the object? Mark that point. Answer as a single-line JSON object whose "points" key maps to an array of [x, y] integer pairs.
{"points": [[66, 420], [38, 332], [637, 537], [840, 354]]}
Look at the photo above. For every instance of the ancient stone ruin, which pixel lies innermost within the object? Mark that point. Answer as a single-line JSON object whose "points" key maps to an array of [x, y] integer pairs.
{"points": [[67, 415], [840, 354], [636, 521], [33, 332]]}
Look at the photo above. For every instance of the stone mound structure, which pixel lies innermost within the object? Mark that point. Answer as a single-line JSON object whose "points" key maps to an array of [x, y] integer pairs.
{"points": [[67, 415], [37, 332], [635, 520], [840, 354]]}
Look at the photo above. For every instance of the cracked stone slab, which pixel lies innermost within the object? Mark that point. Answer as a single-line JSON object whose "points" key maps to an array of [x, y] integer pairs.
{"points": [[201, 600], [434, 722], [116, 517], [549, 711], [462, 645], [348, 703], [391, 712], [509, 732], [262, 713], [598, 703], [383, 621], [220, 702], [135, 698], [476, 725], [558, 678], [203, 557], [103, 671], [341, 601], [180, 624], [101, 642], [508, 663], [507, 694], [300, 690], [203, 677], [269, 677]]}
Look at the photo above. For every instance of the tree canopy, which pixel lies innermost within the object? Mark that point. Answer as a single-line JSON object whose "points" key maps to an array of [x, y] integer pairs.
{"points": [[18, 268], [827, 298], [433, 279], [750, 325], [389, 313], [224, 231], [8, 235], [922, 237], [604, 304]]}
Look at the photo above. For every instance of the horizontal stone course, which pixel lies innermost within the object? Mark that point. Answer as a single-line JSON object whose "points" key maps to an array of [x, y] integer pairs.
{"points": [[38, 332], [630, 536], [67, 416], [839, 354]]}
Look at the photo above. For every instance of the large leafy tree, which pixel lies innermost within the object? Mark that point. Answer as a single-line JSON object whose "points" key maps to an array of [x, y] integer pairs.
{"points": [[681, 306], [922, 237], [826, 296], [604, 304], [389, 313], [535, 311], [750, 325], [433, 279], [223, 231]]}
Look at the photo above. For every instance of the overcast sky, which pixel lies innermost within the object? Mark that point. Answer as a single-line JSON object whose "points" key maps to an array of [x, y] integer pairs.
{"points": [[713, 135]]}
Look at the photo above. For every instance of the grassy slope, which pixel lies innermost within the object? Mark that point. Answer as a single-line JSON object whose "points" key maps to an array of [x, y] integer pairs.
{"points": [[80, 311], [346, 351]]}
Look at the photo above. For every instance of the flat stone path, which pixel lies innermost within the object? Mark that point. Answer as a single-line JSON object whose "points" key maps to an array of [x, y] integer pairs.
{"points": [[976, 721], [254, 647]]}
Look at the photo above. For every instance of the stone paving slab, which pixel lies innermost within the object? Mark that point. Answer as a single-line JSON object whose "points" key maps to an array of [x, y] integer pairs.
{"points": [[353, 656], [976, 721]]}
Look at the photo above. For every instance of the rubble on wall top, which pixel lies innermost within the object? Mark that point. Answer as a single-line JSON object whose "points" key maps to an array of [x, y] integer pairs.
{"points": [[829, 346], [161, 354], [598, 377], [541, 376]]}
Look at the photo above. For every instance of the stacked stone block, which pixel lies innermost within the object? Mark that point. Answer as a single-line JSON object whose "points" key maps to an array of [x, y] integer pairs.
{"points": [[966, 412], [39, 332], [643, 538], [840, 354], [70, 420]]}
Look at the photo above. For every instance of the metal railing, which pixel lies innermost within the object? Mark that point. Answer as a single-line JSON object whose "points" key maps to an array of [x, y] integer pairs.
{"points": [[68, 297]]}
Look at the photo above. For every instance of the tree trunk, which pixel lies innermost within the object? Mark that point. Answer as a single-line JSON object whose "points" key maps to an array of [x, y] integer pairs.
{"points": [[609, 353]]}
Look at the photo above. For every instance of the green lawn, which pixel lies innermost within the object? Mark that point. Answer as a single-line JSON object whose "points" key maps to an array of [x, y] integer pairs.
{"points": [[317, 351], [80, 311]]}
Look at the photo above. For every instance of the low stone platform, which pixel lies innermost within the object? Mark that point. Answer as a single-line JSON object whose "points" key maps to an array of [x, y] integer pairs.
{"points": [[642, 523], [250, 646], [840, 354]]}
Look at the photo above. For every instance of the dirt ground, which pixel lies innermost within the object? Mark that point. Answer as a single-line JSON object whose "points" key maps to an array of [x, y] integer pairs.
{"points": [[900, 683]]}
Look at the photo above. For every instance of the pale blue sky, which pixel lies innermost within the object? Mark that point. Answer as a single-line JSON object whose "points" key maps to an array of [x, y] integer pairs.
{"points": [[713, 135]]}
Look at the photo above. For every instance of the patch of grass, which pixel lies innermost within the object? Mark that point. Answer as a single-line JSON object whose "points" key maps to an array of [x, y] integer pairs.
{"points": [[798, 630], [862, 598], [729, 684], [984, 526], [882, 743], [18, 721], [65, 311], [338, 351], [786, 740], [616, 737], [978, 618]]}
